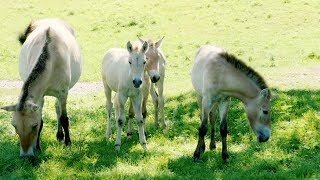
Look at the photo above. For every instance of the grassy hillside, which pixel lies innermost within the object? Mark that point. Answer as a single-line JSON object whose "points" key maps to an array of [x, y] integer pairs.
{"points": [[279, 38]]}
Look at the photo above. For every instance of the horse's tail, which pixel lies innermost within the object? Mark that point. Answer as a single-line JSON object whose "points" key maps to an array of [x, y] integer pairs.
{"points": [[23, 36], [37, 70]]}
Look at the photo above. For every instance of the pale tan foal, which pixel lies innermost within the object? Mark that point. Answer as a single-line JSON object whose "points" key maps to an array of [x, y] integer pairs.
{"points": [[123, 73], [155, 70], [50, 64], [217, 75]]}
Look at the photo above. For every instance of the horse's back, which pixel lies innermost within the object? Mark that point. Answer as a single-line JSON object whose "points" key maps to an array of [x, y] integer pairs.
{"points": [[115, 67], [64, 62], [207, 68]]}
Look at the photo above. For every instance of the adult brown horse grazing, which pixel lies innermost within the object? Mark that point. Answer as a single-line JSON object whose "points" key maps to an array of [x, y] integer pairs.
{"points": [[216, 76], [49, 64]]}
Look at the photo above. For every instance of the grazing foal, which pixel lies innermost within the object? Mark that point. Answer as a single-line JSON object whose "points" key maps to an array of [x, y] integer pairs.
{"points": [[216, 76], [122, 72], [155, 68], [49, 64]]}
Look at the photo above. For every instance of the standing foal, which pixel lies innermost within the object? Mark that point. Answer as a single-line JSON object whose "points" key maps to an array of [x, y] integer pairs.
{"points": [[122, 72]]}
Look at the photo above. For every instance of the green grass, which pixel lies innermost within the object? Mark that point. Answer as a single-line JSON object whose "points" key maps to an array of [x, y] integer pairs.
{"points": [[279, 38], [292, 152]]}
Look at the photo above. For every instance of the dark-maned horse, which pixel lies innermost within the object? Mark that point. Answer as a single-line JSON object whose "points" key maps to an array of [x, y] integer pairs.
{"points": [[216, 76], [50, 64]]}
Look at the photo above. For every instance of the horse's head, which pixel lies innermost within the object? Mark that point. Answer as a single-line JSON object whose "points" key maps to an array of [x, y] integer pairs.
{"points": [[258, 112], [153, 56], [137, 61], [26, 122]]}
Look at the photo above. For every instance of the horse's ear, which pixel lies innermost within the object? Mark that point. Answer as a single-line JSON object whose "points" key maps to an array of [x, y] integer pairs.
{"points": [[141, 40], [30, 106], [144, 47], [12, 107], [265, 93], [158, 43], [129, 46]]}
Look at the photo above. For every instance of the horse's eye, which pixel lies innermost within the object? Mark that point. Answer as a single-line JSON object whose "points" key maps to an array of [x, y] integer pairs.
{"points": [[34, 126], [265, 112], [147, 58], [129, 62], [144, 62]]}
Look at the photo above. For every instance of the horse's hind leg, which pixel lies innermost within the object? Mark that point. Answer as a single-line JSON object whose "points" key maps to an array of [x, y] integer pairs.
{"points": [[161, 103], [223, 109], [108, 108], [64, 120], [199, 101], [60, 135], [120, 118], [212, 116], [131, 116], [206, 108]]}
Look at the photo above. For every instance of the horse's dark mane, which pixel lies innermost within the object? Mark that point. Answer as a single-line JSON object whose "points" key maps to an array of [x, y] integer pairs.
{"points": [[36, 71], [22, 37], [248, 71]]}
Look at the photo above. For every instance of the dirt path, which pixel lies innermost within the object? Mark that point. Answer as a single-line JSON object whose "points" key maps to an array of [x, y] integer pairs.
{"points": [[79, 88], [306, 79]]}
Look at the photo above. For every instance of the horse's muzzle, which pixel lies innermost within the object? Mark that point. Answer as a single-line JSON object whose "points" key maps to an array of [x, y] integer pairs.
{"points": [[155, 78], [263, 135], [137, 83]]}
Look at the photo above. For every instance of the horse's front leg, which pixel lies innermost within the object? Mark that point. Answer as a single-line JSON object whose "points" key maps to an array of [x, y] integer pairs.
{"points": [[206, 107], [63, 119], [155, 102], [161, 102], [223, 109], [121, 117], [138, 114], [38, 147]]}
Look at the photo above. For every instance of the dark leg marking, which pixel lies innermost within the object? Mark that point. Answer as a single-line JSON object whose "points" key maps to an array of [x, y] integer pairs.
{"points": [[65, 124], [144, 114], [120, 122], [201, 144], [38, 139], [224, 132]]}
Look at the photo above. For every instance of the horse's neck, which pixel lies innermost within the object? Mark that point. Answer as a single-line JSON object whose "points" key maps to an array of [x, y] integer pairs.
{"points": [[241, 87], [34, 92]]}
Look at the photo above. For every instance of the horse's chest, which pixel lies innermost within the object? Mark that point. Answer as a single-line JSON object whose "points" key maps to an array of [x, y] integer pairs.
{"points": [[133, 92]]}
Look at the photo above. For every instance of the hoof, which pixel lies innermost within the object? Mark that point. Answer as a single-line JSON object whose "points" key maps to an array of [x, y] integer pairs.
{"points": [[129, 135], [196, 156], [212, 146], [60, 136], [144, 146], [117, 147], [225, 157], [164, 125]]}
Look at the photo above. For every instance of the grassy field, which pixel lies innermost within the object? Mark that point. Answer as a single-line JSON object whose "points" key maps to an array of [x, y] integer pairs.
{"points": [[280, 39]]}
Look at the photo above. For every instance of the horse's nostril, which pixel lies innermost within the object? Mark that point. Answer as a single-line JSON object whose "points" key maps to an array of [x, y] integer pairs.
{"points": [[155, 79], [263, 138]]}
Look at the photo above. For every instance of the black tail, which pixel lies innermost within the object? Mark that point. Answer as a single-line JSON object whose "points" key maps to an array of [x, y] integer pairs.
{"points": [[36, 71], [22, 37]]}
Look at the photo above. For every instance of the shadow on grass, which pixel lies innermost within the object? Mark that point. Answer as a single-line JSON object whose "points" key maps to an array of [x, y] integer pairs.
{"points": [[91, 152]]}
